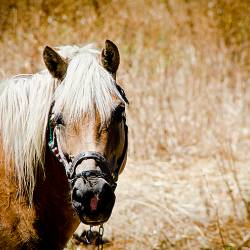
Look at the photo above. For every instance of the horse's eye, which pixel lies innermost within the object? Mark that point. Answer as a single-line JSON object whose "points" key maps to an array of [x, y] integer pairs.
{"points": [[57, 119], [118, 113]]}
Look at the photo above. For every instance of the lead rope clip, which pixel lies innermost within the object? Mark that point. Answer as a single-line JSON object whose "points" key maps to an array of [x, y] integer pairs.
{"points": [[89, 235], [100, 240]]}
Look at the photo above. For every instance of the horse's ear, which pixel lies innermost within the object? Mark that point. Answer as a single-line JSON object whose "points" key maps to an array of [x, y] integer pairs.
{"points": [[56, 65], [110, 57]]}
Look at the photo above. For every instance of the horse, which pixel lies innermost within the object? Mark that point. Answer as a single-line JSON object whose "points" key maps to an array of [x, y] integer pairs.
{"points": [[64, 143]]}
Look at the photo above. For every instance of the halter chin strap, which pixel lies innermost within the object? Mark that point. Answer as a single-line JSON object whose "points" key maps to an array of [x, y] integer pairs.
{"points": [[71, 164]]}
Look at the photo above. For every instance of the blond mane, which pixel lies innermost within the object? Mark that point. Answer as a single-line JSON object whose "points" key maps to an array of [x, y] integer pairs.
{"points": [[26, 100]]}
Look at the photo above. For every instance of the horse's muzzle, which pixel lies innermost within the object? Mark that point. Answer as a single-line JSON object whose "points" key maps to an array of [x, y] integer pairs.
{"points": [[93, 199]]}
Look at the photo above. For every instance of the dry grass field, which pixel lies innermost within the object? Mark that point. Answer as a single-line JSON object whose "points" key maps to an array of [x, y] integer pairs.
{"points": [[185, 66]]}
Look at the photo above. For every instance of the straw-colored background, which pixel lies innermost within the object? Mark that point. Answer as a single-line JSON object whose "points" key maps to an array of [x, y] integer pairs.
{"points": [[185, 67]]}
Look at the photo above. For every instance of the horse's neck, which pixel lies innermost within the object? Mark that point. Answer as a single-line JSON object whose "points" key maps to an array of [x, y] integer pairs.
{"points": [[49, 223], [56, 220]]}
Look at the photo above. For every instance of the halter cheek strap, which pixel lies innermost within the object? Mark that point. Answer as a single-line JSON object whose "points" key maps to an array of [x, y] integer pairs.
{"points": [[124, 152], [56, 150]]}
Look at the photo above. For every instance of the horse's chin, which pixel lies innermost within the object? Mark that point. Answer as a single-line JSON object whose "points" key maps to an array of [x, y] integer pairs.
{"points": [[92, 222]]}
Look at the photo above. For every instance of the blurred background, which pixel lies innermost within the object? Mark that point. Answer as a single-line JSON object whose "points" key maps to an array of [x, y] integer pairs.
{"points": [[185, 68]]}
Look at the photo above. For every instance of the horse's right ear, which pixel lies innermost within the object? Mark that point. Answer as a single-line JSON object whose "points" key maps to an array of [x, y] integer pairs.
{"points": [[56, 65], [110, 57]]}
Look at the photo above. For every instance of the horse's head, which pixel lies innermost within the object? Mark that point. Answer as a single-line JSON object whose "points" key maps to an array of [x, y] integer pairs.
{"points": [[87, 127]]}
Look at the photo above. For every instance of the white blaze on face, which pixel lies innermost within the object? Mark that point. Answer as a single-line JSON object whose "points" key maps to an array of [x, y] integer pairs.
{"points": [[88, 143]]}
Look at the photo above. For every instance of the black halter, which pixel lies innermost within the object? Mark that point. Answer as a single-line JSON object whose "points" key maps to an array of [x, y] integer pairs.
{"points": [[71, 163]]}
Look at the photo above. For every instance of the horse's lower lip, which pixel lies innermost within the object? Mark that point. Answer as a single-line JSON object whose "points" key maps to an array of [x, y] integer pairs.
{"points": [[92, 223], [92, 220]]}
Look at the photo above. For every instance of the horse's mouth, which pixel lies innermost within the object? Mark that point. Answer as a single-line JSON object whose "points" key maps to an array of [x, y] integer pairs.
{"points": [[94, 204], [93, 218]]}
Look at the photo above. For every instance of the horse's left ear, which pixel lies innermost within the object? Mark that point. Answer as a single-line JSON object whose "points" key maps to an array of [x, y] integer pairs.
{"points": [[56, 65], [110, 57]]}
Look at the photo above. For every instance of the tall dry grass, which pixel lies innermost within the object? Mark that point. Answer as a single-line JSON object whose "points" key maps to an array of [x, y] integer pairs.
{"points": [[185, 68], [184, 65]]}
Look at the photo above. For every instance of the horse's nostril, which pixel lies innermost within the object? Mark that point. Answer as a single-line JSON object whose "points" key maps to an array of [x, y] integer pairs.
{"points": [[77, 195], [78, 206], [106, 191]]}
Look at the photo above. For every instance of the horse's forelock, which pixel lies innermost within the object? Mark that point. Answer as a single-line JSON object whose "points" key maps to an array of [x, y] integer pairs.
{"points": [[87, 87]]}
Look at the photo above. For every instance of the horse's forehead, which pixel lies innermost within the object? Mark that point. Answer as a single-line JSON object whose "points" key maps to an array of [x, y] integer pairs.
{"points": [[88, 121], [95, 115]]}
